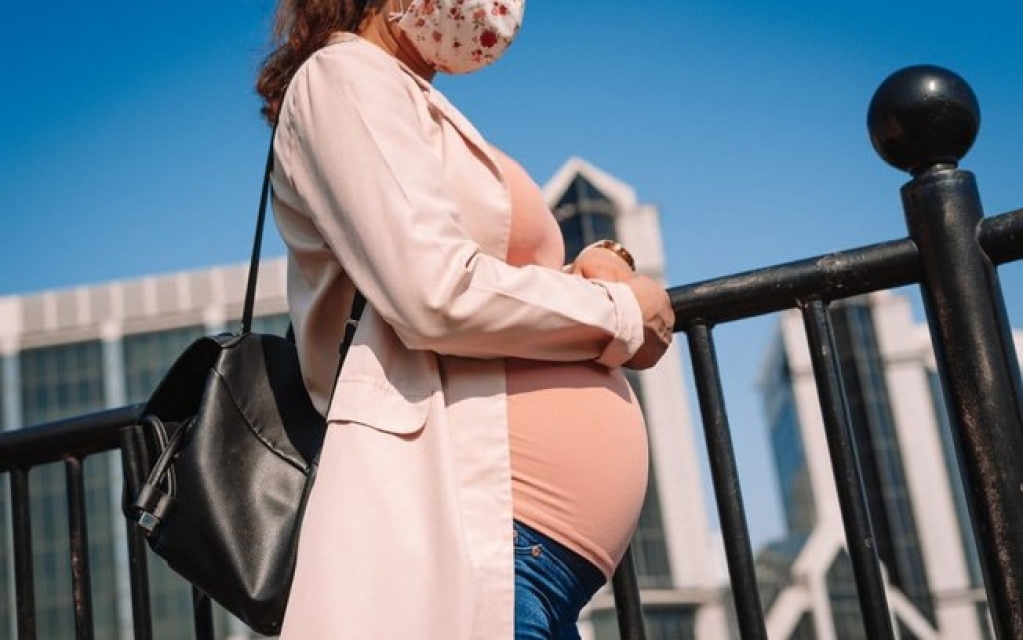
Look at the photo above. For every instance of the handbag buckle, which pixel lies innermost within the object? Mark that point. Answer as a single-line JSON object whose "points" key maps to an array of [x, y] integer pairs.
{"points": [[148, 522]]}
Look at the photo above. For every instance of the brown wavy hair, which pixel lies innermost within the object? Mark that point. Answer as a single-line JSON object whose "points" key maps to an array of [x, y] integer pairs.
{"points": [[300, 28]]}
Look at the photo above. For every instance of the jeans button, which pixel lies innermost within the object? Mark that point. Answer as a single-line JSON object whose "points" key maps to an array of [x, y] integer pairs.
{"points": [[535, 551]]}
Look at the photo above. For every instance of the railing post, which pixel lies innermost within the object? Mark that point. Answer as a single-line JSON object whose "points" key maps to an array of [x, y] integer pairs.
{"points": [[24, 577], [924, 120], [724, 470], [78, 543], [132, 453], [852, 496]]}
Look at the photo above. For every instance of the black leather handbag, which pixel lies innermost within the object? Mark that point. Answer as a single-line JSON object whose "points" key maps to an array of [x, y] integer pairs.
{"points": [[219, 468]]}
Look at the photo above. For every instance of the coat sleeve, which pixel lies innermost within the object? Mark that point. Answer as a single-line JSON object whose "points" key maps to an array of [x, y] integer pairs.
{"points": [[360, 150]]}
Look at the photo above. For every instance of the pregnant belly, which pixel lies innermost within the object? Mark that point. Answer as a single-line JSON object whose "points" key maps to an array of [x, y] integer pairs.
{"points": [[579, 455]]}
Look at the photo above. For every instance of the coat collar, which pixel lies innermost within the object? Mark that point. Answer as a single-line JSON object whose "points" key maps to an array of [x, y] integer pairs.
{"points": [[452, 115], [435, 97]]}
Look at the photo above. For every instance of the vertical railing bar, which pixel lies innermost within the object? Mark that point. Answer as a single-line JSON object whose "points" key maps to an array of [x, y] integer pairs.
{"points": [[78, 538], [852, 497], [628, 605], [138, 574], [738, 549], [23, 574], [132, 453], [202, 610]]}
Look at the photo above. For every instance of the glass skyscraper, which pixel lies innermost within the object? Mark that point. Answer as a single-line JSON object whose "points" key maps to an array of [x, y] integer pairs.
{"points": [[915, 495]]}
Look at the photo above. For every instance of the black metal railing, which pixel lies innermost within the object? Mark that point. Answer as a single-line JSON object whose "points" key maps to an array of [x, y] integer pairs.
{"points": [[69, 441], [922, 120]]}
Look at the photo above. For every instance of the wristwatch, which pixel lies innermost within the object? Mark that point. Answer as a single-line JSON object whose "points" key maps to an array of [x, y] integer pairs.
{"points": [[618, 249]]}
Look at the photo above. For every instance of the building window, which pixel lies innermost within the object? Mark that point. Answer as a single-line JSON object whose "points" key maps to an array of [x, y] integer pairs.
{"points": [[774, 567], [789, 454], [879, 453], [147, 356], [663, 622], [585, 216], [58, 382], [276, 324], [670, 622], [649, 546], [804, 628], [904, 631], [793, 473], [844, 602], [61, 381]]}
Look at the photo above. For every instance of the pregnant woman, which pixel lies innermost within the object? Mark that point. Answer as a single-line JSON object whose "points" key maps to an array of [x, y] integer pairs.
{"points": [[485, 460]]}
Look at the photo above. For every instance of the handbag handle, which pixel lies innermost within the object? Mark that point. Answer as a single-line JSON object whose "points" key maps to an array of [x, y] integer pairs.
{"points": [[152, 504]]}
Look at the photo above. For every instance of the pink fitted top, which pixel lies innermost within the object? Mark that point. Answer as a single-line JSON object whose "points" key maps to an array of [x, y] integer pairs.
{"points": [[577, 436]]}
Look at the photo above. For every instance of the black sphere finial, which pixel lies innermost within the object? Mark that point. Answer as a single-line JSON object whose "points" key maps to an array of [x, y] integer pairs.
{"points": [[923, 116]]}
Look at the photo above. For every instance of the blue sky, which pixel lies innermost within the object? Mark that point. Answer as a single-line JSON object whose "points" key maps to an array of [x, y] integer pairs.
{"points": [[132, 143]]}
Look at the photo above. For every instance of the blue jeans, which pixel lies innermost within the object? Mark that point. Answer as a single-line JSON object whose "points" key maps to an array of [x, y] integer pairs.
{"points": [[552, 584]]}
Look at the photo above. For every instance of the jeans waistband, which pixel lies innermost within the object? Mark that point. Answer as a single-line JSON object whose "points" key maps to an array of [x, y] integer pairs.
{"points": [[584, 570]]}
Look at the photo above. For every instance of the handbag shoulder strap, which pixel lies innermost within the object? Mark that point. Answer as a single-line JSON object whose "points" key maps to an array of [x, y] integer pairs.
{"points": [[358, 303], [257, 241]]}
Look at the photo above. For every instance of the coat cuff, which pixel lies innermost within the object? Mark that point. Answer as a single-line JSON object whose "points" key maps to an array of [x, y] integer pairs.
{"points": [[628, 336]]}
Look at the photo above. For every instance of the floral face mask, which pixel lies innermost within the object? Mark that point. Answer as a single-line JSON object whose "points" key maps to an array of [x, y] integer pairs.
{"points": [[461, 36]]}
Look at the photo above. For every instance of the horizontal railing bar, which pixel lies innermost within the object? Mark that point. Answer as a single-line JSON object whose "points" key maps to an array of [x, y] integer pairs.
{"points": [[828, 277], [1002, 237], [54, 441]]}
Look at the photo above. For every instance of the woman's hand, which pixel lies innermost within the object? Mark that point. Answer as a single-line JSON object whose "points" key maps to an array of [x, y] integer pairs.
{"points": [[658, 321], [596, 263]]}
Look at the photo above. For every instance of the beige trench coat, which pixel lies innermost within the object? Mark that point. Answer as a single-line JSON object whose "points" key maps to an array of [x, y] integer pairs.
{"points": [[380, 182]]}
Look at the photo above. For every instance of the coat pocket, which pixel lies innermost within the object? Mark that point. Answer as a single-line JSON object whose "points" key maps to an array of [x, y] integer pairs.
{"points": [[378, 406]]}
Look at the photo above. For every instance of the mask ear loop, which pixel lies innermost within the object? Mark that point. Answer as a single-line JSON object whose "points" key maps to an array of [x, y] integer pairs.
{"points": [[395, 16]]}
